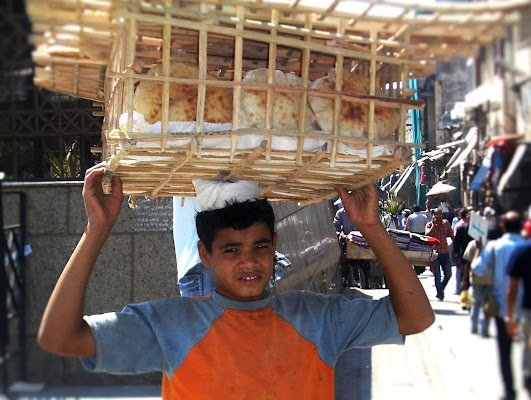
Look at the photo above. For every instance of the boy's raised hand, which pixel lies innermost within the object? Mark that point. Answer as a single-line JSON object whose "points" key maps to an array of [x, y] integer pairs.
{"points": [[361, 205], [102, 209]]}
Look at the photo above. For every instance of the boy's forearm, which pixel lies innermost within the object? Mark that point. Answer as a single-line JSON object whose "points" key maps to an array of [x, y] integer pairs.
{"points": [[412, 307], [63, 330]]}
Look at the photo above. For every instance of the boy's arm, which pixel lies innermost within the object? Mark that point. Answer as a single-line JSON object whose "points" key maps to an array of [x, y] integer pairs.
{"points": [[63, 330], [412, 307]]}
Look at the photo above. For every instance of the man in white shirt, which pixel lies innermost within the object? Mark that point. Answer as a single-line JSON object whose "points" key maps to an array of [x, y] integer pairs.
{"points": [[417, 221]]}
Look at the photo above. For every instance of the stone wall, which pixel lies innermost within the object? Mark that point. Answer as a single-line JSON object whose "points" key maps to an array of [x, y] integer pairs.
{"points": [[138, 263]]}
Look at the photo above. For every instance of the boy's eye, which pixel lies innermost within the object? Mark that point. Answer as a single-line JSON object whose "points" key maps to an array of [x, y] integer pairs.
{"points": [[230, 250]]}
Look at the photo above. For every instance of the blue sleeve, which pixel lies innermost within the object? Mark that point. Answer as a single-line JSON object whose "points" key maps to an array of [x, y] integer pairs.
{"points": [[125, 342], [335, 324], [151, 336]]}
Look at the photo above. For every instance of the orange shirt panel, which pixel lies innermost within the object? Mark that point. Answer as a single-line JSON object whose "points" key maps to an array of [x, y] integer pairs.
{"points": [[240, 359]]}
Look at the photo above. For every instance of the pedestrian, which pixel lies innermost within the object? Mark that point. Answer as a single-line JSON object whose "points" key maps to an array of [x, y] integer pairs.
{"points": [[490, 215], [465, 216], [495, 257], [457, 218], [462, 238], [481, 288], [193, 278], [439, 228], [481, 208], [519, 315], [417, 221], [403, 218], [239, 342]]}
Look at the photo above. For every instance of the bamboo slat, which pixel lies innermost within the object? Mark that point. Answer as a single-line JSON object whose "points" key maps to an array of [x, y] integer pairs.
{"points": [[102, 49]]}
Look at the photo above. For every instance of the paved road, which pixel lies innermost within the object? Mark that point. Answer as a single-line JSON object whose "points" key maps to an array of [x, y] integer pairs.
{"points": [[444, 362]]}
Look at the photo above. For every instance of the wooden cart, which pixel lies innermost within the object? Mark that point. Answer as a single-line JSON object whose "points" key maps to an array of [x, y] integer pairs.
{"points": [[416, 258]]}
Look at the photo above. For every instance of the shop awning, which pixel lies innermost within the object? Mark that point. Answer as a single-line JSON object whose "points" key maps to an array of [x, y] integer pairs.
{"points": [[403, 178], [461, 154], [516, 160], [491, 91], [483, 170]]}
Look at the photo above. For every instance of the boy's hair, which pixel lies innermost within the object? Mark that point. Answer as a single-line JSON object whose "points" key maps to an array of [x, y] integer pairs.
{"points": [[237, 216]]}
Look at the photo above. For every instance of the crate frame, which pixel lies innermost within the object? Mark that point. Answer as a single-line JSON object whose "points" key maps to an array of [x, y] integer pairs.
{"points": [[303, 176]]}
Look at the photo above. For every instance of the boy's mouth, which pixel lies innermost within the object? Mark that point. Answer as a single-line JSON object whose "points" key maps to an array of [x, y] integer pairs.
{"points": [[249, 278]]}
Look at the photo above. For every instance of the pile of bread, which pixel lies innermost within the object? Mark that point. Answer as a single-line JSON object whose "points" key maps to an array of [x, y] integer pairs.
{"points": [[319, 113]]}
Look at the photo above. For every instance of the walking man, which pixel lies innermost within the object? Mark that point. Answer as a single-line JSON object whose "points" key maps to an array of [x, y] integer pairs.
{"points": [[495, 257], [519, 271], [417, 221], [440, 228]]}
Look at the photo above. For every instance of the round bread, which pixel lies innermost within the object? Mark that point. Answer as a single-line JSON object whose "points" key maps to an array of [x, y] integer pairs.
{"points": [[286, 105], [182, 98], [354, 116]]}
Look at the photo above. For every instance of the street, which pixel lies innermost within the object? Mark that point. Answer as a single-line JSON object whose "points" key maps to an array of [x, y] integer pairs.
{"points": [[444, 362]]}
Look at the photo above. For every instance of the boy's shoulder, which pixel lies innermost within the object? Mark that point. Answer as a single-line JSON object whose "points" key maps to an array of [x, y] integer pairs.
{"points": [[301, 299], [171, 307]]}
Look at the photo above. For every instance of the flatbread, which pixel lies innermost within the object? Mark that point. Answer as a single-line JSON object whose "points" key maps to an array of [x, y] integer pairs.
{"points": [[286, 105], [182, 98], [354, 116]]}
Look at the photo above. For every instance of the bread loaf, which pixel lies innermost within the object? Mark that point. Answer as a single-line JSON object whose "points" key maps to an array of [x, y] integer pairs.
{"points": [[285, 106], [182, 98], [353, 116]]}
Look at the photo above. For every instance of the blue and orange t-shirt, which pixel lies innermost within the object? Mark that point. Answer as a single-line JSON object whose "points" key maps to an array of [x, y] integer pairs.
{"points": [[214, 347]]}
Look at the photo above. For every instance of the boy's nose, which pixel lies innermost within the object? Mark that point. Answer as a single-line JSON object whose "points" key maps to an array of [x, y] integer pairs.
{"points": [[247, 257]]}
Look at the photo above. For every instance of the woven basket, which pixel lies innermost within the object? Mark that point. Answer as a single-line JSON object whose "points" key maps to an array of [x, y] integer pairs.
{"points": [[229, 38]]}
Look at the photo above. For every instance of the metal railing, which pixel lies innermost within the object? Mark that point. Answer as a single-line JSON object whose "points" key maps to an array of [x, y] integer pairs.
{"points": [[12, 292]]}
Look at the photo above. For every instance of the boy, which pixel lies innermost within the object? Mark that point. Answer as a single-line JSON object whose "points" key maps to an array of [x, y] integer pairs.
{"points": [[239, 342]]}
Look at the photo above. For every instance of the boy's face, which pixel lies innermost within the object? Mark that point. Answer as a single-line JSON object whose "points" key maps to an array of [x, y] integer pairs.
{"points": [[241, 261]]}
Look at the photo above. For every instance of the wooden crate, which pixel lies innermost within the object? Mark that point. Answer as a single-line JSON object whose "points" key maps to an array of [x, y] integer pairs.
{"points": [[229, 38], [356, 252]]}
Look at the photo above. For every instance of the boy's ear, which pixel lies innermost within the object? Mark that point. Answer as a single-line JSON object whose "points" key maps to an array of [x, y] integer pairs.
{"points": [[203, 254]]}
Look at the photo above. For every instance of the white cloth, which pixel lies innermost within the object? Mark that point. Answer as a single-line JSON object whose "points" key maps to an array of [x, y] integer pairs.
{"points": [[248, 141], [213, 195], [184, 234]]}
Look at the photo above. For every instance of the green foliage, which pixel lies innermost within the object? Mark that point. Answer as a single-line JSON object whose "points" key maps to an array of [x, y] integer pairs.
{"points": [[69, 167], [392, 207], [392, 211]]}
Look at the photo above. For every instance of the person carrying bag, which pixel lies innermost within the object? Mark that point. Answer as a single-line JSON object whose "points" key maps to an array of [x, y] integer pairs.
{"points": [[481, 290]]}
